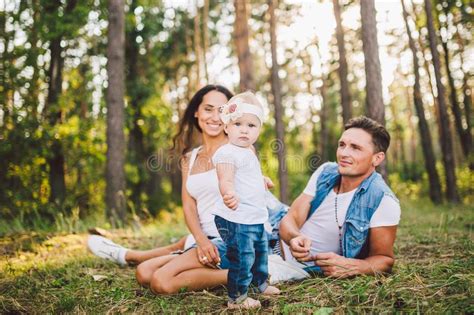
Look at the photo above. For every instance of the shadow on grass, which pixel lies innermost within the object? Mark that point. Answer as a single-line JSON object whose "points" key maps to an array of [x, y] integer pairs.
{"points": [[433, 274], [71, 287]]}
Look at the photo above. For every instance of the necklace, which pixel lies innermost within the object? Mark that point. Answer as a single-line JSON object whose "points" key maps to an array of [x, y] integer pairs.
{"points": [[335, 214]]}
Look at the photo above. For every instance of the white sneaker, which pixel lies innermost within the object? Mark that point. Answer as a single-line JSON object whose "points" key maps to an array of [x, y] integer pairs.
{"points": [[281, 270], [271, 290], [104, 248], [246, 304]]}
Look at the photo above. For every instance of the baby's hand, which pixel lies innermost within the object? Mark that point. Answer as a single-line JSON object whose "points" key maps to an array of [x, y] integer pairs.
{"points": [[268, 182], [230, 200]]}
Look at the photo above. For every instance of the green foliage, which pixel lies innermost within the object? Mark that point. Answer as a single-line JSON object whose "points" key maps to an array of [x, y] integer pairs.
{"points": [[160, 79], [402, 185]]}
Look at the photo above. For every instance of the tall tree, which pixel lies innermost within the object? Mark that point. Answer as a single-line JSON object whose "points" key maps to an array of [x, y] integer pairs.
{"points": [[115, 174], [197, 45], [137, 95], [467, 89], [425, 135], [443, 118], [467, 102], [241, 39], [276, 91], [342, 69], [53, 111], [205, 35], [324, 111], [373, 74], [464, 134]]}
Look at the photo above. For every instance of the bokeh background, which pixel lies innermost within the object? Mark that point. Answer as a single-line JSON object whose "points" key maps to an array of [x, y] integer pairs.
{"points": [[314, 64]]}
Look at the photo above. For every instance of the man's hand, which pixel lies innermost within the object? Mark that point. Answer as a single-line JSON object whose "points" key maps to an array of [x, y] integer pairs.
{"points": [[334, 265], [230, 200], [299, 247]]}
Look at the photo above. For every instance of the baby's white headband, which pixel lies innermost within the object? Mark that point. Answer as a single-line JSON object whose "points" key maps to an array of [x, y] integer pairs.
{"points": [[235, 109]]}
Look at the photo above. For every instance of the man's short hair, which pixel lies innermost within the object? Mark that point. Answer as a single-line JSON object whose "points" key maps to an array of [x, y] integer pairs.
{"points": [[380, 135]]}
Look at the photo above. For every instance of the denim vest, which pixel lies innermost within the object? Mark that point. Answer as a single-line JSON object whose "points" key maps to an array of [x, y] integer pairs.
{"points": [[366, 200]]}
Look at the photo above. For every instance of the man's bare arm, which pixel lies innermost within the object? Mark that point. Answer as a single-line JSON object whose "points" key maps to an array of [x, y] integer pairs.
{"points": [[291, 224], [379, 260]]}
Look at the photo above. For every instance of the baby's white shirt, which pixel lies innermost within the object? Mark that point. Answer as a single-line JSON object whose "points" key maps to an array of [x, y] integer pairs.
{"points": [[249, 186]]}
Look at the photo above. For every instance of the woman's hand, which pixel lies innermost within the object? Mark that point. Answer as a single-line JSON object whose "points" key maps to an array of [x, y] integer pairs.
{"points": [[268, 182], [208, 254]]}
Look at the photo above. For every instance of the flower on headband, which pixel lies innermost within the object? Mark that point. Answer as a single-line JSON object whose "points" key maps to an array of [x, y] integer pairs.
{"points": [[230, 112]]}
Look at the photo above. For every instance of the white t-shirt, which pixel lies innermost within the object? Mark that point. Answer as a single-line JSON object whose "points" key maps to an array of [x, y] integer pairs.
{"points": [[248, 184], [322, 228]]}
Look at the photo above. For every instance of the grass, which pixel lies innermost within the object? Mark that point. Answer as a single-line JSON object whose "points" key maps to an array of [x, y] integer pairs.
{"points": [[53, 273]]}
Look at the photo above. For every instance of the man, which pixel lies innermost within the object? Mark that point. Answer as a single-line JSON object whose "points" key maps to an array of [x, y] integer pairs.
{"points": [[345, 221]]}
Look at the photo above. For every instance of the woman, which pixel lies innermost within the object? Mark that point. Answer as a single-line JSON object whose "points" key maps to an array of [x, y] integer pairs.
{"points": [[198, 267]]}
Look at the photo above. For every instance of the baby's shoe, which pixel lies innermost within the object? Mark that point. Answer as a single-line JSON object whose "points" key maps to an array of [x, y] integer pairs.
{"points": [[271, 290], [246, 304]]}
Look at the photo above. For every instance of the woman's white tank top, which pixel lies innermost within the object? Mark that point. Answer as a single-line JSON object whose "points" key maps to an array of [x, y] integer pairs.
{"points": [[204, 188]]}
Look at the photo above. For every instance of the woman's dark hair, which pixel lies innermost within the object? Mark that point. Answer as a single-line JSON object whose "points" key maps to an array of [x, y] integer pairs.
{"points": [[183, 139]]}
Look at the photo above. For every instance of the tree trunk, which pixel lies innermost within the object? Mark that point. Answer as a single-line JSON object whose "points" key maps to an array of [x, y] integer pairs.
{"points": [[115, 175], [279, 125], [241, 38], [467, 102], [197, 45], [467, 94], [324, 116], [373, 74], [205, 35], [428, 72], [425, 135], [191, 86], [136, 146], [412, 128], [457, 112], [53, 113], [323, 112], [443, 122], [342, 69]]}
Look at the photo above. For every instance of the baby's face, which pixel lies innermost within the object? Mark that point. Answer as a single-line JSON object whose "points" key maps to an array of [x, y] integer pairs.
{"points": [[244, 131]]}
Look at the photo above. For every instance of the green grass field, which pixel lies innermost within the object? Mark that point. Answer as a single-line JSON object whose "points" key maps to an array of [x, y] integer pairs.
{"points": [[53, 273]]}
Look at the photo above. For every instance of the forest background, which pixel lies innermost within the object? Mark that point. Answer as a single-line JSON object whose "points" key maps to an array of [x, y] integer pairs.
{"points": [[306, 60], [91, 93]]}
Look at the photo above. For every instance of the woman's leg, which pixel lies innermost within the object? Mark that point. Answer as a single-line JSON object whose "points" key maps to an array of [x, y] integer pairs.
{"points": [[146, 269], [185, 271], [104, 248], [139, 256]]}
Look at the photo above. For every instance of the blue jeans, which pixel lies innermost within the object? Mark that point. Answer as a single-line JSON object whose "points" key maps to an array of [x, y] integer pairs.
{"points": [[247, 253]]}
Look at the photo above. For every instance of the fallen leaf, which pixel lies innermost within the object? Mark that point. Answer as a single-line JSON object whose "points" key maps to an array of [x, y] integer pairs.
{"points": [[99, 277]]}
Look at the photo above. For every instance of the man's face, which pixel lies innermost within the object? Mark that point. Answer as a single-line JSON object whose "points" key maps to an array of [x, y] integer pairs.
{"points": [[355, 153]]}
